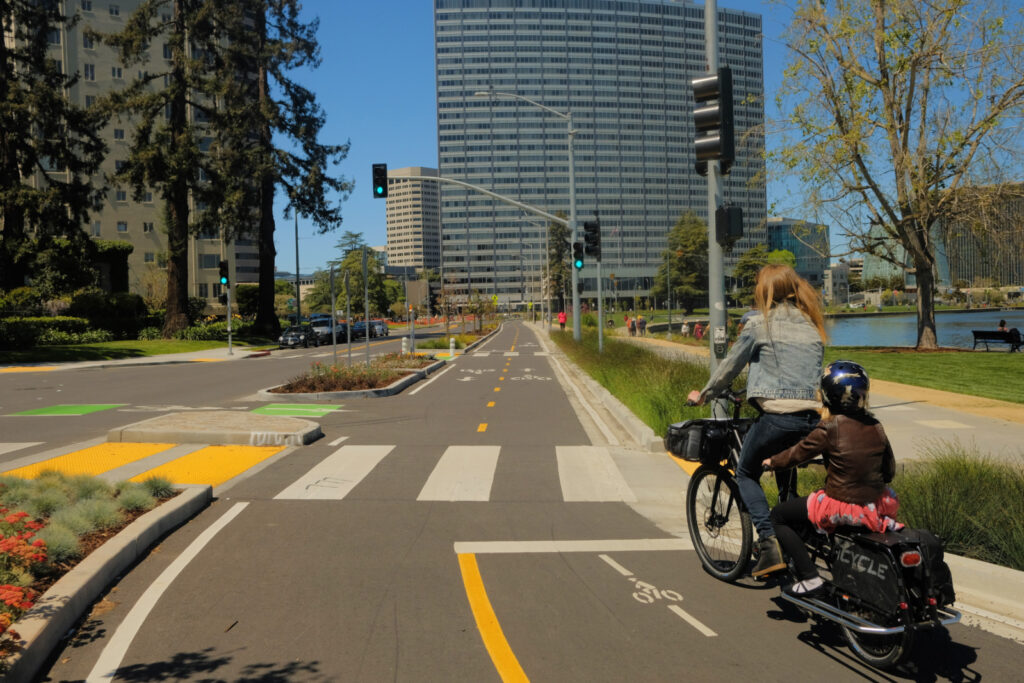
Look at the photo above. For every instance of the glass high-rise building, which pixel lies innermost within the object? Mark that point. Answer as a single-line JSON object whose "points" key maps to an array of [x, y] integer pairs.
{"points": [[623, 68]]}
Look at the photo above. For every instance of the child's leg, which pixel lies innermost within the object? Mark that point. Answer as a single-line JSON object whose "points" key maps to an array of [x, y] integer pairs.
{"points": [[790, 519]]}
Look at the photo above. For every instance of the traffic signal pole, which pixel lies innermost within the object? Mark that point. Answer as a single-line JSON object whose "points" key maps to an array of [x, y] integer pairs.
{"points": [[716, 264]]}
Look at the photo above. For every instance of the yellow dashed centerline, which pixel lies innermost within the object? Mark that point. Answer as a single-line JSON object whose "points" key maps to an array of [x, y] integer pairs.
{"points": [[482, 427], [490, 404], [212, 465], [29, 369], [497, 388], [93, 460], [502, 656]]}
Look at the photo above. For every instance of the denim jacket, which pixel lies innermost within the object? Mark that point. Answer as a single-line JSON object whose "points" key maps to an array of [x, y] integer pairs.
{"points": [[785, 354]]}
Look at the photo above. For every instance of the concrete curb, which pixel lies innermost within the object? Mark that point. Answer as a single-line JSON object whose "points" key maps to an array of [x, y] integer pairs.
{"points": [[395, 387], [43, 626]]}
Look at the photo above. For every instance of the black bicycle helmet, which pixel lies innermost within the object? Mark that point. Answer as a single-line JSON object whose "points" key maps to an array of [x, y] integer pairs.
{"points": [[844, 387]]}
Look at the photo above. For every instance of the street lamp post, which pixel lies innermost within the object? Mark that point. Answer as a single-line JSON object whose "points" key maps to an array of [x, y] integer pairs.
{"points": [[572, 191]]}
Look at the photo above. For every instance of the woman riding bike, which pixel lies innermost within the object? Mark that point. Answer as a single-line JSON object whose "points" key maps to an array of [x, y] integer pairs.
{"points": [[784, 344]]}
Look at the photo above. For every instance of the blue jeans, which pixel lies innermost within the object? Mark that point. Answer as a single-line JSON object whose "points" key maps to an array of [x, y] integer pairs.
{"points": [[770, 434]]}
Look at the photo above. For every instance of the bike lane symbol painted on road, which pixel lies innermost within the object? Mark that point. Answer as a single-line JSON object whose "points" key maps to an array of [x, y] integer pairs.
{"points": [[647, 594]]}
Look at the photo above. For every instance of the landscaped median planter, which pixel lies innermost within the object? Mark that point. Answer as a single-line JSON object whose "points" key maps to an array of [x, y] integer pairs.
{"points": [[384, 376]]}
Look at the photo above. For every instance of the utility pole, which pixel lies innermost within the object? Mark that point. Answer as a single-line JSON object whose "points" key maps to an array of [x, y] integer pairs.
{"points": [[298, 295], [716, 264]]}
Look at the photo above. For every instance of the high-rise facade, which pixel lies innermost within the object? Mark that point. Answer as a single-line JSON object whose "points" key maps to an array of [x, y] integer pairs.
{"points": [[808, 242], [122, 217], [623, 69], [413, 219]]}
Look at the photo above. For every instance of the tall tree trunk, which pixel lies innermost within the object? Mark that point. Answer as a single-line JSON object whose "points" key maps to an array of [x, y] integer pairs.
{"points": [[12, 216], [266, 317], [925, 276], [176, 196]]}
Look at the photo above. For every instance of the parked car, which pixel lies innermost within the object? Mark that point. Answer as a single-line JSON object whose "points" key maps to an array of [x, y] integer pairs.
{"points": [[322, 329], [379, 328], [359, 329], [296, 336]]}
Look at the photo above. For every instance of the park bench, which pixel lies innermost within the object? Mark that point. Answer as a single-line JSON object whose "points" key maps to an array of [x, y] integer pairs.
{"points": [[994, 337]]}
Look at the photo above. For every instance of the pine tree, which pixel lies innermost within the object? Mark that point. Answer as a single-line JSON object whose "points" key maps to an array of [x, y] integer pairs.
{"points": [[49, 147], [176, 112], [272, 128]]}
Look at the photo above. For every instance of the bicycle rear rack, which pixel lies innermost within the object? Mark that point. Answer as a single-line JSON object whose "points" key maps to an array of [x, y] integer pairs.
{"points": [[851, 621]]}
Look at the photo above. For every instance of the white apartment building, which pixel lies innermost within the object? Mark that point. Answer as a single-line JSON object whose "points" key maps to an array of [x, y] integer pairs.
{"points": [[413, 217]]}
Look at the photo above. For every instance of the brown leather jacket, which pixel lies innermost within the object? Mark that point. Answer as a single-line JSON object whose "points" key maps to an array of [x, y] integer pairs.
{"points": [[858, 458]]}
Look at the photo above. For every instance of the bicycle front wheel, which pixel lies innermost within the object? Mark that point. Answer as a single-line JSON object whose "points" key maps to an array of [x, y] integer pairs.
{"points": [[719, 526]]}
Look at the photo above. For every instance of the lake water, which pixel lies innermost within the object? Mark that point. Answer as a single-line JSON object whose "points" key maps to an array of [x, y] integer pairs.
{"points": [[952, 328]]}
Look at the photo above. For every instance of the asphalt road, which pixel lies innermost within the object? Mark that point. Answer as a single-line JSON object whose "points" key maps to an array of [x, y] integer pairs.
{"points": [[475, 527]]}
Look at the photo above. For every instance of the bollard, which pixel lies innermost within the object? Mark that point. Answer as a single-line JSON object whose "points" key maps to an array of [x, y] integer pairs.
{"points": [[405, 346], [451, 347]]}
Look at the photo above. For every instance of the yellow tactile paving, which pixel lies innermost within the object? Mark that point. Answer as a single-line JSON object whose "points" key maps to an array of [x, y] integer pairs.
{"points": [[212, 465], [93, 460]]}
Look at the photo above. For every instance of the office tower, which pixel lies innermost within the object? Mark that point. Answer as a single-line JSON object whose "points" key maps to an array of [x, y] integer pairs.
{"points": [[121, 217], [623, 68], [808, 242], [413, 219]]}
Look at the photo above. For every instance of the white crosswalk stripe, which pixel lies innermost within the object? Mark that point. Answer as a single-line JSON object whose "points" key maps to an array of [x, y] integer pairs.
{"points": [[8, 447], [463, 473], [588, 473], [336, 475]]}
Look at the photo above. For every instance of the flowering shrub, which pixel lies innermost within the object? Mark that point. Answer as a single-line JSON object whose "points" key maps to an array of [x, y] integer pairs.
{"points": [[19, 553]]}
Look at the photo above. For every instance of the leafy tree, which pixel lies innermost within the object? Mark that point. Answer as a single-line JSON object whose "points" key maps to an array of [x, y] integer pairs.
{"points": [[899, 109], [50, 148], [353, 265], [245, 297], [559, 254], [687, 257], [750, 262], [350, 241]]}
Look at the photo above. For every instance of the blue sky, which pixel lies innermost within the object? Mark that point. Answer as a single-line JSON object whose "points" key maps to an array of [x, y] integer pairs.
{"points": [[376, 86]]}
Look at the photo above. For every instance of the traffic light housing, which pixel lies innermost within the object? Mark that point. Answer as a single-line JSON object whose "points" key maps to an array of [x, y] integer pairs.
{"points": [[714, 122], [728, 224], [223, 268], [380, 181], [592, 239], [577, 255]]}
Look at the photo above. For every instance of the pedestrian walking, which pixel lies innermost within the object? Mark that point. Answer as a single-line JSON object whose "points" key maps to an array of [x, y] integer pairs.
{"points": [[561, 320], [641, 326], [684, 329], [632, 327]]}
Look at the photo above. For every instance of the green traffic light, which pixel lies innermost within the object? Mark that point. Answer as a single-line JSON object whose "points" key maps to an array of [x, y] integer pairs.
{"points": [[379, 189], [578, 264]]}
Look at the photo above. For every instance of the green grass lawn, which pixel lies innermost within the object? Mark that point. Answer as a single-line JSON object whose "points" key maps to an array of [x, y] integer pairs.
{"points": [[991, 375], [113, 350]]}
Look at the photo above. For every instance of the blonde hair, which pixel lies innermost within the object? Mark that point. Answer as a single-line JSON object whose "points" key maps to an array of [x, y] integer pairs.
{"points": [[777, 283]]}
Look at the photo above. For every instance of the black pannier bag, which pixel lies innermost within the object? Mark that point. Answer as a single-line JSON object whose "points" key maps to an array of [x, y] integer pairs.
{"points": [[701, 440]]}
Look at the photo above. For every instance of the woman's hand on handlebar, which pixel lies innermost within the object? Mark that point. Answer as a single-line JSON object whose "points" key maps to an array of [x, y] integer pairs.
{"points": [[694, 398], [766, 464]]}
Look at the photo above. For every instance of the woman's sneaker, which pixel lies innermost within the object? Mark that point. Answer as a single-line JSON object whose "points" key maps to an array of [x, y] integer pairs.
{"points": [[769, 559], [808, 588]]}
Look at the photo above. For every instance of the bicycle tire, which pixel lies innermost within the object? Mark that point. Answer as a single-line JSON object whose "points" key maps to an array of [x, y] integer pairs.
{"points": [[880, 651], [719, 526]]}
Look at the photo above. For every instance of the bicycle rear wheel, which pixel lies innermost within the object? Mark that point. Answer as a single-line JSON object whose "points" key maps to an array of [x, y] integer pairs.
{"points": [[719, 526]]}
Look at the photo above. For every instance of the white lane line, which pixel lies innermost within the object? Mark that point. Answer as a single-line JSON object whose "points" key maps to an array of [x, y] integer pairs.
{"points": [[8, 447], [692, 621], [588, 474], [462, 473], [568, 546], [337, 441], [436, 375], [336, 475], [113, 653], [615, 565]]}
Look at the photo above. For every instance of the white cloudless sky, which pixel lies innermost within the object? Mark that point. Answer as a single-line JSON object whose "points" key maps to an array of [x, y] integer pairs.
{"points": [[376, 88]]}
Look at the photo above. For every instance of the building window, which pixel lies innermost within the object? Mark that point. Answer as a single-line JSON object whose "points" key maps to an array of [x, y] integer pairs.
{"points": [[122, 226], [216, 289], [116, 72], [121, 195], [119, 133], [53, 37], [167, 51], [204, 290], [89, 72], [90, 100], [119, 164], [96, 229], [147, 197], [149, 257], [147, 227], [87, 5], [87, 42], [209, 260], [115, 10]]}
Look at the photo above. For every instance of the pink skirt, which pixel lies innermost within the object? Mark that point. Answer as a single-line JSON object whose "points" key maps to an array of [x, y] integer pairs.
{"points": [[828, 513]]}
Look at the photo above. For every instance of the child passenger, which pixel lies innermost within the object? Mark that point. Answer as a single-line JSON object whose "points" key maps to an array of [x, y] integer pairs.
{"points": [[858, 463]]}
